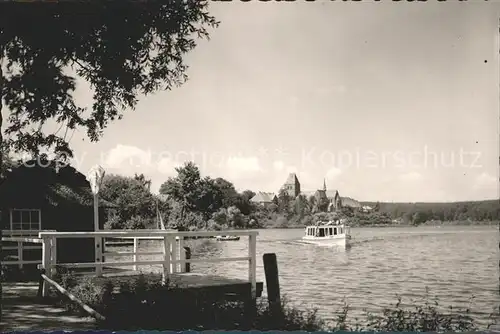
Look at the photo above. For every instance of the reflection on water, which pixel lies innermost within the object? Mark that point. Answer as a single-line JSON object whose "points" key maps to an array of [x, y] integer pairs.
{"points": [[454, 262]]}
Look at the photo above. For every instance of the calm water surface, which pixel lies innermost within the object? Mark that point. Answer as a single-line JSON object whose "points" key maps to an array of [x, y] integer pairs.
{"points": [[454, 263]]}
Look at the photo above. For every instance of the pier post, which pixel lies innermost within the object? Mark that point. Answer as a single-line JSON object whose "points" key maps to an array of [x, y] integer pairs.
{"points": [[252, 264], [166, 259], [20, 253], [136, 249], [53, 255], [272, 284], [187, 256], [40, 284], [251, 302], [46, 262], [173, 255]]}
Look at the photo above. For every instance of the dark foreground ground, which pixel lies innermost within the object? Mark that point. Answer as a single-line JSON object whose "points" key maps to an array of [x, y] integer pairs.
{"points": [[21, 311]]}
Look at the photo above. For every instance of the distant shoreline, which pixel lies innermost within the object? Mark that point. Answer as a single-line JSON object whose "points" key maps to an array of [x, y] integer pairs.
{"points": [[428, 224]]}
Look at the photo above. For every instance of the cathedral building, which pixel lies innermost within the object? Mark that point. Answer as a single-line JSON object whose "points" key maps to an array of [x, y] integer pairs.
{"points": [[292, 188]]}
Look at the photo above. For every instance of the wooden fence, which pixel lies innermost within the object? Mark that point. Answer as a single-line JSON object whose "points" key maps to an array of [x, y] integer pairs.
{"points": [[20, 241], [172, 253]]}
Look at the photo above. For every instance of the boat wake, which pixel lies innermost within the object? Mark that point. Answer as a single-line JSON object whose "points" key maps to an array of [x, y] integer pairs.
{"points": [[356, 241], [352, 242], [303, 243]]}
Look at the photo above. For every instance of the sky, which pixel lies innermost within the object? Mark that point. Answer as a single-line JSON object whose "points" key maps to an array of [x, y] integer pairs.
{"points": [[386, 101]]}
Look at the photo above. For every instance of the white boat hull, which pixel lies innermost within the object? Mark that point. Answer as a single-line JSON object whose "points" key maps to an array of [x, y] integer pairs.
{"points": [[338, 241]]}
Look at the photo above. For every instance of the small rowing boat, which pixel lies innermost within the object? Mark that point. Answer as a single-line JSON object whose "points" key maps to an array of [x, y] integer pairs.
{"points": [[227, 238]]}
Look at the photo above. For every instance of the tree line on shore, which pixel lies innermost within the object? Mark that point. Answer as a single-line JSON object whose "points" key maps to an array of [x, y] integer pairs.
{"points": [[419, 213], [192, 202]]}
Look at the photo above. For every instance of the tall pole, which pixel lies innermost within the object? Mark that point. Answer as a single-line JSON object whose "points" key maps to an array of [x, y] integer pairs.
{"points": [[95, 177], [97, 240], [96, 212]]}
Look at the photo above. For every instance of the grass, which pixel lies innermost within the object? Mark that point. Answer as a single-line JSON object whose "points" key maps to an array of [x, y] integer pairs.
{"points": [[143, 303]]}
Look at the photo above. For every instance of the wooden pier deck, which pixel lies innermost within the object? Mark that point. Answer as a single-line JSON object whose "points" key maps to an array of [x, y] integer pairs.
{"points": [[23, 310]]}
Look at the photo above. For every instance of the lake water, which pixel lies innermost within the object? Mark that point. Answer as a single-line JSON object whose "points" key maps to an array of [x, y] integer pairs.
{"points": [[454, 263]]}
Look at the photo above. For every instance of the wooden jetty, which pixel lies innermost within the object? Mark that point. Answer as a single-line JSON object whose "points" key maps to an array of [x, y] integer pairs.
{"points": [[173, 265]]}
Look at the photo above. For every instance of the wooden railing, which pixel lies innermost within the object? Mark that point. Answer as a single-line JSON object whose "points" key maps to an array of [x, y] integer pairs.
{"points": [[135, 253], [20, 238], [172, 251]]}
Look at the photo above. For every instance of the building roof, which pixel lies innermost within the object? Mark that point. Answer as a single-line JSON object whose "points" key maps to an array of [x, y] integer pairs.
{"points": [[292, 179], [32, 186], [350, 202], [329, 193], [263, 197]]}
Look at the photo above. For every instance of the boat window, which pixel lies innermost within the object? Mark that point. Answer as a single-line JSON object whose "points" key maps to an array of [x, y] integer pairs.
{"points": [[321, 232], [331, 230], [341, 230], [335, 231]]}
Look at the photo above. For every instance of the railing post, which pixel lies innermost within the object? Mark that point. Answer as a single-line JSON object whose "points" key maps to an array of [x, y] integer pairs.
{"points": [[252, 264], [98, 241], [46, 264], [187, 256], [53, 255], [20, 252], [166, 259], [136, 247], [173, 266], [182, 254], [40, 284]]}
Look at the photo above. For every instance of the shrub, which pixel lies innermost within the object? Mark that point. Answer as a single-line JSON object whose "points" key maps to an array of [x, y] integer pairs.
{"points": [[220, 217], [147, 304], [292, 319], [307, 220], [193, 221], [213, 225], [281, 222], [113, 223], [144, 303], [421, 318], [138, 222]]}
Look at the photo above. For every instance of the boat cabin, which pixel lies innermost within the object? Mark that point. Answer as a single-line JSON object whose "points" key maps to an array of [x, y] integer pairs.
{"points": [[324, 231]]}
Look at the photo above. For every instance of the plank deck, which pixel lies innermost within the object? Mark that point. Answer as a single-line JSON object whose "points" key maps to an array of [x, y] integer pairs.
{"points": [[188, 281]]}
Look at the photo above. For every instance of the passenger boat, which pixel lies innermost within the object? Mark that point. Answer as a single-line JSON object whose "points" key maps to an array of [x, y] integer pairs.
{"points": [[327, 233], [227, 238]]}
